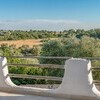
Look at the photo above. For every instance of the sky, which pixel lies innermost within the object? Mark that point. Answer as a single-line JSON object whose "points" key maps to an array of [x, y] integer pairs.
{"points": [[49, 14]]}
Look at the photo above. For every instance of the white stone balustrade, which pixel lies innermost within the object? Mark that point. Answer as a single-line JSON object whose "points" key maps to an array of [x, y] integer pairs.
{"points": [[77, 83]]}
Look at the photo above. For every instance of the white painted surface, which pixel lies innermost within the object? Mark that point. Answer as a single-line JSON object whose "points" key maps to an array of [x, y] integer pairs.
{"points": [[10, 96], [77, 80], [4, 78], [77, 83]]}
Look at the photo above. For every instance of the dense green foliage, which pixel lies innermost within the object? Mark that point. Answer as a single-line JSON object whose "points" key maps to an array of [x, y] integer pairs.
{"points": [[52, 48], [72, 47], [70, 43], [18, 35], [33, 34]]}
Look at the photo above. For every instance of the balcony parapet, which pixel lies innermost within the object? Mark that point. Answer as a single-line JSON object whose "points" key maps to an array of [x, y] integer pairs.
{"points": [[77, 83]]}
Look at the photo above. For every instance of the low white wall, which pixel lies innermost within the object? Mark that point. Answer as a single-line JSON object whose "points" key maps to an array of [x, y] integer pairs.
{"points": [[77, 82]]}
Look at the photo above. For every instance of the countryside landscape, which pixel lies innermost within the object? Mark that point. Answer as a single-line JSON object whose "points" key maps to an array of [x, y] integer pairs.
{"points": [[49, 49], [67, 43]]}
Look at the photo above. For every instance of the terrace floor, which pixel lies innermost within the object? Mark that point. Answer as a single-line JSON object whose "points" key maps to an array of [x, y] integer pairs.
{"points": [[11, 96]]}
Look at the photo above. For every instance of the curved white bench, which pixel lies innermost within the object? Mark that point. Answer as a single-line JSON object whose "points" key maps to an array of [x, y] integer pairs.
{"points": [[77, 82]]}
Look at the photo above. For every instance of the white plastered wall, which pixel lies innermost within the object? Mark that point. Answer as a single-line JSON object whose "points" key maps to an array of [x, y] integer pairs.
{"points": [[77, 81]]}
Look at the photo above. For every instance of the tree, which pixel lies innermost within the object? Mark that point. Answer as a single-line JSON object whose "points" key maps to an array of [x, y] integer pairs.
{"points": [[35, 51], [52, 48]]}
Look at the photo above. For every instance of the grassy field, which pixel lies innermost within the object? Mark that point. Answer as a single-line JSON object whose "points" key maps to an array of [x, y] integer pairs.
{"points": [[19, 43]]}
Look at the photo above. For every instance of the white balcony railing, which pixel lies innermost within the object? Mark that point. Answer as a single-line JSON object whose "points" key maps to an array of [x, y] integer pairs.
{"points": [[77, 77]]}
